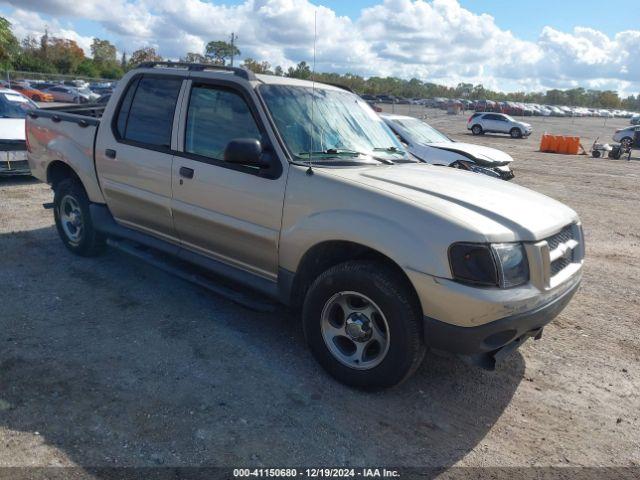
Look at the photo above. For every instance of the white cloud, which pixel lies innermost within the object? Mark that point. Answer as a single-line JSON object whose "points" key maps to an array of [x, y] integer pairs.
{"points": [[436, 40]]}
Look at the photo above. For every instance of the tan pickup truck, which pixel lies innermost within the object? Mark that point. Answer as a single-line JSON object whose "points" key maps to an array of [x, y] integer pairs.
{"points": [[301, 192]]}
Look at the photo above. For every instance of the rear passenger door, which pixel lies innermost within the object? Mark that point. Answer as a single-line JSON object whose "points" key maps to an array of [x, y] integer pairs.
{"points": [[227, 212], [489, 122], [134, 157]]}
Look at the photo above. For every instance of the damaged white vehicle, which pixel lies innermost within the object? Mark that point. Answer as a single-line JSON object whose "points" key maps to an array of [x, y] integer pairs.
{"points": [[434, 147], [13, 148]]}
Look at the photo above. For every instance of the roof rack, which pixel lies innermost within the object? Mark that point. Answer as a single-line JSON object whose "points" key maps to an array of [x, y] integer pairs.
{"points": [[199, 67]]}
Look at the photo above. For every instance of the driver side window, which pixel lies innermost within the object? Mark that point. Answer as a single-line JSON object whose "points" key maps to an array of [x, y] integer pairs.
{"points": [[214, 118]]}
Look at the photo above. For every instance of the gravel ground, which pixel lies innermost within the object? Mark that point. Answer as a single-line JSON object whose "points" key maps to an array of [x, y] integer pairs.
{"points": [[110, 362]]}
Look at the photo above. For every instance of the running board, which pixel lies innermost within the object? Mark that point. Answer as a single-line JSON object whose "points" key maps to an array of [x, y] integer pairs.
{"points": [[186, 272]]}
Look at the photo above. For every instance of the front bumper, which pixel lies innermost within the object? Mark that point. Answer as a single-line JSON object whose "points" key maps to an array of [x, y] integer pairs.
{"points": [[490, 338]]}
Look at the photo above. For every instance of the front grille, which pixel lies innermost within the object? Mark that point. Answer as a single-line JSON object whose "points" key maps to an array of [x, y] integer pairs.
{"points": [[561, 237], [562, 249], [559, 265]]}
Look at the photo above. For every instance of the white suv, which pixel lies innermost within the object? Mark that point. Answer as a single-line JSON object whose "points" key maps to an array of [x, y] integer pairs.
{"points": [[489, 122]]}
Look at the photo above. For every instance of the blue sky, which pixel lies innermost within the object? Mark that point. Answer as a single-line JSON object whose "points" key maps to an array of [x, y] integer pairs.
{"points": [[523, 45]]}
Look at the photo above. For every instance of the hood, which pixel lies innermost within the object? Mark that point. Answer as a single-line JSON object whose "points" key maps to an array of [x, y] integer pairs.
{"points": [[491, 210], [524, 124], [485, 155], [11, 129]]}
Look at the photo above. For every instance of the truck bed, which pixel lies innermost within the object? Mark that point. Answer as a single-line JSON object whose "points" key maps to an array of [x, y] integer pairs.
{"points": [[65, 135]]}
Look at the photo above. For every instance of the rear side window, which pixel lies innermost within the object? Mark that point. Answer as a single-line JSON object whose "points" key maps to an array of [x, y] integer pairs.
{"points": [[215, 117], [148, 118]]}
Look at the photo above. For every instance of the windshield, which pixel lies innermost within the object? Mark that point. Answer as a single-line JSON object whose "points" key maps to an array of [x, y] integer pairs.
{"points": [[343, 125], [14, 105], [508, 117], [420, 132]]}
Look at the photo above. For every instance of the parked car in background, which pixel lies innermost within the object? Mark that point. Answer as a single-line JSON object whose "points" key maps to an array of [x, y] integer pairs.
{"points": [[635, 119], [104, 99], [486, 106], [481, 123], [85, 92], [32, 93], [62, 93], [13, 148], [386, 99], [624, 136], [431, 146]]}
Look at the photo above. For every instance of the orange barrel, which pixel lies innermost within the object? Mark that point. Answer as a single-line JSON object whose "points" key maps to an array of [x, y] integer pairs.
{"points": [[575, 145], [544, 142], [564, 145]]}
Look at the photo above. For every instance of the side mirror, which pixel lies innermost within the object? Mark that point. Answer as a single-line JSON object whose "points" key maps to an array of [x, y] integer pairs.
{"points": [[245, 151]]}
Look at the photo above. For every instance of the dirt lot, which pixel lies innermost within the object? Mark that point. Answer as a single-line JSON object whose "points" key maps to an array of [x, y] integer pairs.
{"points": [[109, 362]]}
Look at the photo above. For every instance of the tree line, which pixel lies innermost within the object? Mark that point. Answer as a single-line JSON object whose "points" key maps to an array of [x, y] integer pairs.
{"points": [[49, 54]]}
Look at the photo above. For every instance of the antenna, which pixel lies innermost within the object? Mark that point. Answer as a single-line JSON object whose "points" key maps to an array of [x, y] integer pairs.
{"points": [[313, 88]]}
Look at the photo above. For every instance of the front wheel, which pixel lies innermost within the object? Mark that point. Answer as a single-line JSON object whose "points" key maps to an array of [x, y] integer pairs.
{"points": [[476, 130], [363, 324], [73, 219], [515, 133], [626, 142]]}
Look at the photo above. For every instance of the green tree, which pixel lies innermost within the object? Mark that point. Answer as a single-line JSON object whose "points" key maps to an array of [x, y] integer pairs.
{"points": [[301, 70], [65, 54], [103, 51], [279, 71], [218, 51], [88, 68], [9, 46], [192, 57], [145, 54], [256, 67]]}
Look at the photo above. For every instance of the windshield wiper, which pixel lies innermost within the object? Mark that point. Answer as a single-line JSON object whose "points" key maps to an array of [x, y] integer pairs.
{"points": [[391, 149], [337, 152]]}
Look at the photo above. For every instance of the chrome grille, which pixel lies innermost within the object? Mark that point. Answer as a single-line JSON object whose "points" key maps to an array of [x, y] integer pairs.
{"points": [[561, 237], [559, 265], [562, 249]]}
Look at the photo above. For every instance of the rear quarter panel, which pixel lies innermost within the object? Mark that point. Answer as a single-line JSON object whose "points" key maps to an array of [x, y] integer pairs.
{"points": [[64, 141]]}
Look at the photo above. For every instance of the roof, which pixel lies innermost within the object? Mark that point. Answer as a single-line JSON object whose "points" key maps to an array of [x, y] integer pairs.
{"points": [[276, 80]]}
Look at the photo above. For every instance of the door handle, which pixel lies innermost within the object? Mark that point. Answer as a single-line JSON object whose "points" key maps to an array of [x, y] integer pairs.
{"points": [[110, 153], [186, 172]]}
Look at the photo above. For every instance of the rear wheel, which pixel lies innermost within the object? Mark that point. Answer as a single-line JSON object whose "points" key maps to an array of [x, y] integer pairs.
{"points": [[363, 325], [515, 133], [73, 219], [476, 130], [626, 142], [595, 154]]}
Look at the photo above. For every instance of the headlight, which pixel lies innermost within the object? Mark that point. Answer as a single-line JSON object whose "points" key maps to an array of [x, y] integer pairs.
{"points": [[513, 267], [502, 265]]}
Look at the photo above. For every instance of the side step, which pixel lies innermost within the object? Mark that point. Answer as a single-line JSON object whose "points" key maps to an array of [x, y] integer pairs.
{"points": [[252, 301]]}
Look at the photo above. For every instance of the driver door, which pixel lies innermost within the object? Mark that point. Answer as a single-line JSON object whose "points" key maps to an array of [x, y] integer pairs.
{"points": [[227, 212]]}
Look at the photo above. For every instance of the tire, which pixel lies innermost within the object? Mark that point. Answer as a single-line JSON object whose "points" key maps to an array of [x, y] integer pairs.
{"points": [[515, 132], [477, 130], [595, 154], [626, 142], [377, 298], [73, 219]]}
